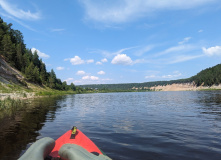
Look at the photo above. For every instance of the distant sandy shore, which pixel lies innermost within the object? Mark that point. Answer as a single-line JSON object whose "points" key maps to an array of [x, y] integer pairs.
{"points": [[183, 87], [180, 87]]}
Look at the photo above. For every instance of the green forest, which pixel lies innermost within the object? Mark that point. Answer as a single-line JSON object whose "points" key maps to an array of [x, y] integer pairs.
{"points": [[208, 77], [14, 51]]}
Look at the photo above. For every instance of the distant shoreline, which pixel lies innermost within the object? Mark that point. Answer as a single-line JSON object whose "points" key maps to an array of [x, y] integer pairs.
{"points": [[171, 87], [183, 87]]}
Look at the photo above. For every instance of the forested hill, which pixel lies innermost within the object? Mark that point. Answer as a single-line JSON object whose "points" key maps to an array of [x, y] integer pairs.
{"points": [[14, 52], [207, 77]]}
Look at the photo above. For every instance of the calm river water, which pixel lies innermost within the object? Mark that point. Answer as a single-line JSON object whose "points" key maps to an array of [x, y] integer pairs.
{"points": [[126, 126]]}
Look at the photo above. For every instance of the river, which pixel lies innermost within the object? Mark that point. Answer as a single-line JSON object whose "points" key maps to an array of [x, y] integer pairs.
{"points": [[126, 126]]}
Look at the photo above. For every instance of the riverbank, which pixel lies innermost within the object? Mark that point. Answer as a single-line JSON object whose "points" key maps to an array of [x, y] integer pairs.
{"points": [[15, 91], [13, 96], [184, 87]]}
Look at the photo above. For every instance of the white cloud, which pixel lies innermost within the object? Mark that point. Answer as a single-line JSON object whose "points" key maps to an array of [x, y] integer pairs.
{"points": [[104, 60], [69, 80], [183, 58], [98, 63], [60, 68], [140, 61], [143, 50], [212, 51], [176, 49], [174, 75], [200, 31], [185, 40], [94, 78], [67, 59], [86, 77], [90, 78], [13, 10], [40, 54], [18, 21], [111, 54], [90, 61], [76, 60], [80, 73], [122, 59], [101, 72], [123, 11]]}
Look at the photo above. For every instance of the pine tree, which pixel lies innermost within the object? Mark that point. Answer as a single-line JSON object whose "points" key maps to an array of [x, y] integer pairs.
{"points": [[36, 75], [8, 49], [43, 72], [19, 58], [52, 79], [36, 59], [29, 74]]}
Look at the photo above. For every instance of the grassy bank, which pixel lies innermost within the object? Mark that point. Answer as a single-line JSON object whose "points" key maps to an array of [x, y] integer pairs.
{"points": [[12, 96], [11, 88], [54, 93], [9, 107], [16, 91]]}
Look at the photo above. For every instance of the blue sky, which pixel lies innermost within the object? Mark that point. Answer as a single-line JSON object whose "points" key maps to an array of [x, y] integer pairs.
{"points": [[120, 41]]}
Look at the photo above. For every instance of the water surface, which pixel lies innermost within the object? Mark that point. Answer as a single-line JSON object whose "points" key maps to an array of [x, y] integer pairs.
{"points": [[144, 125]]}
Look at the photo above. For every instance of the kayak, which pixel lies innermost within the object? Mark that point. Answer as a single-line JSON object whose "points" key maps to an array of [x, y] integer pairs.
{"points": [[75, 136], [72, 145]]}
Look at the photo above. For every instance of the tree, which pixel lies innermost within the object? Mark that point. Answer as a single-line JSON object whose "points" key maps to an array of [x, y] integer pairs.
{"points": [[72, 87], [64, 86], [13, 49], [43, 72], [29, 74], [36, 75], [8, 49], [52, 79], [19, 58], [36, 59]]}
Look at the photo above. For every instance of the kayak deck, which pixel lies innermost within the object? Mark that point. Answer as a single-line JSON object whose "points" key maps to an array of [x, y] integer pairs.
{"points": [[80, 139]]}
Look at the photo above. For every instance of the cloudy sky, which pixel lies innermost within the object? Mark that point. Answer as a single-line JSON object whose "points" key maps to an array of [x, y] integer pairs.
{"points": [[120, 41]]}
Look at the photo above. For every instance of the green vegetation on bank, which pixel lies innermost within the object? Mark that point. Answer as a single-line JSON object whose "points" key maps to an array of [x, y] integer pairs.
{"points": [[9, 107], [208, 77], [14, 52]]}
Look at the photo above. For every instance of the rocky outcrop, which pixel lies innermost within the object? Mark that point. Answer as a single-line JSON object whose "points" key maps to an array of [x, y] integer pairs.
{"points": [[8, 74]]}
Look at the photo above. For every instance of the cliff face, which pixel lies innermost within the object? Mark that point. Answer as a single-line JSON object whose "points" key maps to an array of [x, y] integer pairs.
{"points": [[8, 74]]}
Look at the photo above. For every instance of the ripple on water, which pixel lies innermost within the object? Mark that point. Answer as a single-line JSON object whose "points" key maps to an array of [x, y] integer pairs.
{"points": [[149, 125]]}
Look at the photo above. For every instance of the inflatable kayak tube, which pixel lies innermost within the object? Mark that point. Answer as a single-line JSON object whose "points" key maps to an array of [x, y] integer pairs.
{"points": [[73, 145]]}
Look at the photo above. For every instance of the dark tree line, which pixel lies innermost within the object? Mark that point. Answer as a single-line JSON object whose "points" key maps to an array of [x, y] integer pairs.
{"points": [[14, 51], [207, 77]]}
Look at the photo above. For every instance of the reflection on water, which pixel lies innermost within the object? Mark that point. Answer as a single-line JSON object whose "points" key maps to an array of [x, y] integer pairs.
{"points": [[25, 128], [149, 125], [211, 104]]}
